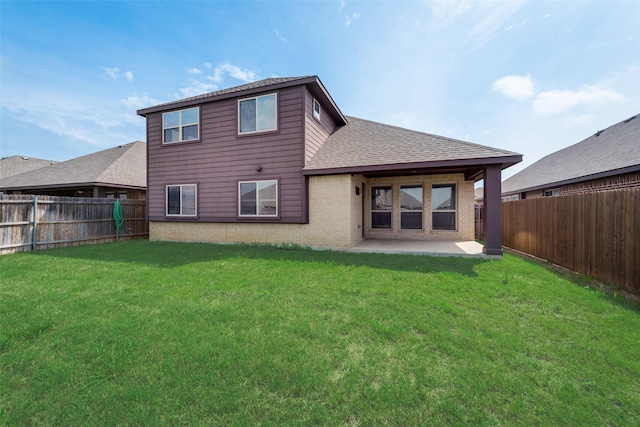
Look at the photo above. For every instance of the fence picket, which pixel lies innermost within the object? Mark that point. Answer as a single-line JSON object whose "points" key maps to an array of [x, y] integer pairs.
{"points": [[592, 233], [65, 221]]}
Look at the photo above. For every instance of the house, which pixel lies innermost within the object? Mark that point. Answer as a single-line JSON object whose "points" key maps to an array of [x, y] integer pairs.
{"points": [[276, 161], [118, 172], [608, 159], [15, 165]]}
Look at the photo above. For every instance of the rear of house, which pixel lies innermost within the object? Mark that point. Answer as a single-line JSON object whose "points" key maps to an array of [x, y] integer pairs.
{"points": [[276, 161]]}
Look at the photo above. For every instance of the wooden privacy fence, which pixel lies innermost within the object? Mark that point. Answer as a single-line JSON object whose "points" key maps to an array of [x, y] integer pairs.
{"points": [[43, 222], [594, 233]]}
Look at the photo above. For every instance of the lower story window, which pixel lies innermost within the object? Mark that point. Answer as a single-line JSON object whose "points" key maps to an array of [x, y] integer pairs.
{"points": [[258, 198], [443, 206], [181, 200], [411, 207], [381, 206]]}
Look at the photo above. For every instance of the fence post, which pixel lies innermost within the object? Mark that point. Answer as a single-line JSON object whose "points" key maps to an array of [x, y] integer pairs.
{"points": [[35, 223]]}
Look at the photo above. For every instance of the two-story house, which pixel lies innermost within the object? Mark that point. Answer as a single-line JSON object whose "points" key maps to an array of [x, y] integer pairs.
{"points": [[276, 161]]}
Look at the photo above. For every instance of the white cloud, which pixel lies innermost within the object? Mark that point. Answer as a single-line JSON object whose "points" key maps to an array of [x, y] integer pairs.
{"points": [[350, 19], [95, 121], [342, 5], [197, 87], [444, 13], [136, 102], [210, 83], [559, 101], [115, 73], [279, 36], [491, 20], [517, 87], [234, 71]]}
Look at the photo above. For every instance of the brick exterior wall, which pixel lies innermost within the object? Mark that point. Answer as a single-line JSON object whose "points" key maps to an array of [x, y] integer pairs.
{"points": [[335, 216], [627, 180], [464, 212]]}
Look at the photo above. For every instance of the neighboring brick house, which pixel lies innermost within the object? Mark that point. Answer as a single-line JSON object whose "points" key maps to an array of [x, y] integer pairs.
{"points": [[118, 172], [276, 161], [608, 159]]}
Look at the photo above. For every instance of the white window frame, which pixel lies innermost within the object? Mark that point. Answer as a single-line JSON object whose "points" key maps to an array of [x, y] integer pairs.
{"points": [[180, 126], [166, 198], [258, 214], [455, 210], [317, 113], [275, 123]]}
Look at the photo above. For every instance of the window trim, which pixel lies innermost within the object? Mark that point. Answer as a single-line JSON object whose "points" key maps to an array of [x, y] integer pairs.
{"points": [[316, 114], [275, 128], [401, 210], [257, 214], [181, 126], [455, 210], [166, 200]]}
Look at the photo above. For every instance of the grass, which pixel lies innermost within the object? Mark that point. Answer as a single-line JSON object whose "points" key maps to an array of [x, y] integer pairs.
{"points": [[156, 333]]}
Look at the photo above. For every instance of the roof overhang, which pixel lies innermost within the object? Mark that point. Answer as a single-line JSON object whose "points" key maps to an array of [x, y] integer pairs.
{"points": [[69, 186], [472, 168], [549, 185]]}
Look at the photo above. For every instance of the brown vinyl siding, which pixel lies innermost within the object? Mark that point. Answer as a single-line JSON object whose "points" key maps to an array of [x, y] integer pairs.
{"points": [[222, 158], [316, 131]]}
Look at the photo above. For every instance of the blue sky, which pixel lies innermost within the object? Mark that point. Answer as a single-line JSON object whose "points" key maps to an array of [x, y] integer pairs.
{"points": [[527, 76]]}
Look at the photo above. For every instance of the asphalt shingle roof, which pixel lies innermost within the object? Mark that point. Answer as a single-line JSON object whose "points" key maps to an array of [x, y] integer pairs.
{"points": [[366, 143], [613, 148], [15, 165], [125, 165]]}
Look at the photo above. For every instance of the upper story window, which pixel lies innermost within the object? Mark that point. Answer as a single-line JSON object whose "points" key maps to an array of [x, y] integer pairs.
{"points": [[181, 200], [258, 114], [181, 125], [317, 109], [258, 198]]}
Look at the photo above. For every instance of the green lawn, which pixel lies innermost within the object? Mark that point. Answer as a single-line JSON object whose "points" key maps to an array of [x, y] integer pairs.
{"points": [[154, 333]]}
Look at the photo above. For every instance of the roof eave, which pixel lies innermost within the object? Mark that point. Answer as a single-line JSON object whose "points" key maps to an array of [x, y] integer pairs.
{"points": [[504, 161], [72, 185], [606, 174]]}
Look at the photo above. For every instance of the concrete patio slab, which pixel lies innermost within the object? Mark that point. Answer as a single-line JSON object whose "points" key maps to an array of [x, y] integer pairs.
{"points": [[464, 248]]}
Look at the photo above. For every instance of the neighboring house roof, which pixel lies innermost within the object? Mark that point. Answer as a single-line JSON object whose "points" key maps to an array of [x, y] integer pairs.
{"points": [[608, 152], [478, 194], [124, 166], [363, 146], [273, 83], [15, 165]]}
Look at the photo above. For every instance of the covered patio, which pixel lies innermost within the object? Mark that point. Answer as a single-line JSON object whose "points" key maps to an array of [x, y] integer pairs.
{"points": [[461, 248]]}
